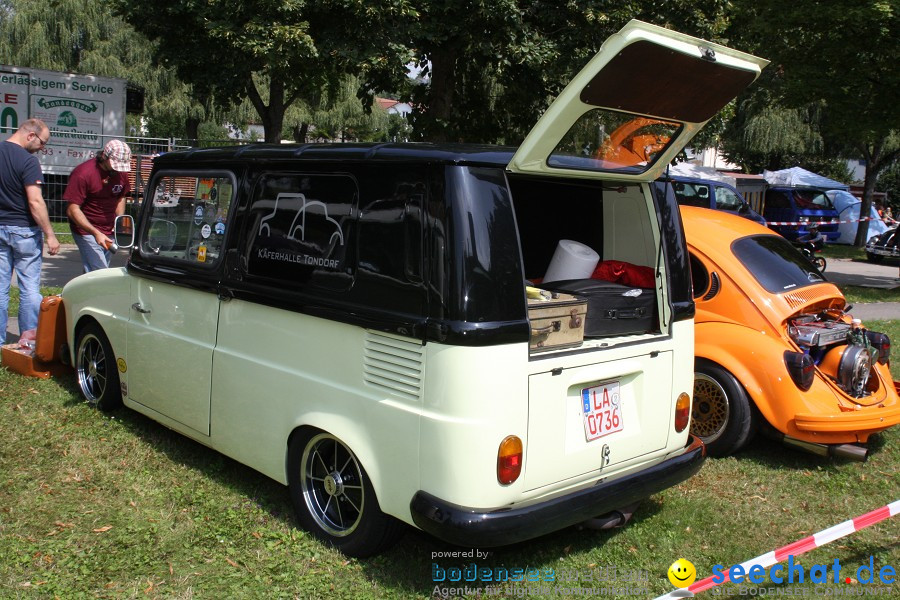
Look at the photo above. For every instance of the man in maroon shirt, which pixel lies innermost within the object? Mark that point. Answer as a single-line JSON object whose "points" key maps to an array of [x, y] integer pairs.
{"points": [[96, 195]]}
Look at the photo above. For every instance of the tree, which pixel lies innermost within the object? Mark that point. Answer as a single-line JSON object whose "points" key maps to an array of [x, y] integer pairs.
{"points": [[272, 52], [79, 36], [493, 67], [839, 60]]}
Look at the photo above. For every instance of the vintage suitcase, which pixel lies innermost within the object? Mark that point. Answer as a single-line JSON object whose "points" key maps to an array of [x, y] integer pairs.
{"points": [[23, 361], [556, 322], [612, 308], [51, 329]]}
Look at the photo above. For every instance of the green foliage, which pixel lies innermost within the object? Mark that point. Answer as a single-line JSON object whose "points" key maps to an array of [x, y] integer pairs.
{"points": [[832, 78], [81, 36], [273, 52], [493, 67], [889, 182]]}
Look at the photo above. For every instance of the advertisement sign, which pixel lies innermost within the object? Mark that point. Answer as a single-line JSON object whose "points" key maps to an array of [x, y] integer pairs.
{"points": [[82, 112]]}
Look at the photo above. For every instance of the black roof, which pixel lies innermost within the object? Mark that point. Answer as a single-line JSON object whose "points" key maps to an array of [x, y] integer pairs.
{"points": [[473, 154]]}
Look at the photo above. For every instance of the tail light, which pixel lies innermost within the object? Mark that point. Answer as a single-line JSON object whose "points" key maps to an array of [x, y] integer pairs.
{"points": [[509, 460], [882, 343], [801, 368], [682, 412]]}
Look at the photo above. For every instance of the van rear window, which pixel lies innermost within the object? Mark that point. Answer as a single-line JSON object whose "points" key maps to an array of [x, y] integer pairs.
{"points": [[812, 199], [606, 140]]}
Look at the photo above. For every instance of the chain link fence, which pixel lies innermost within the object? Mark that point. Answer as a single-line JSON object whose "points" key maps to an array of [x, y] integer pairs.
{"points": [[143, 150]]}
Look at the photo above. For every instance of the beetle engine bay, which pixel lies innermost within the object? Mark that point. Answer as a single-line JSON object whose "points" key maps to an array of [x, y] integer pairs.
{"points": [[845, 352]]}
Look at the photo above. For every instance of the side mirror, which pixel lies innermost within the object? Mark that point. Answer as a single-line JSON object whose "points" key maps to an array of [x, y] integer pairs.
{"points": [[744, 208], [124, 231]]}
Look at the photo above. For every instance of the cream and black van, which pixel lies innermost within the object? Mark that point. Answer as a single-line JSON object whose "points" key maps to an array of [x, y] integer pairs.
{"points": [[374, 326]]}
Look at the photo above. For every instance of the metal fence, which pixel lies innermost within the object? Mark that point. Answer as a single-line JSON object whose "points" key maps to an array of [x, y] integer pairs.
{"points": [[143, 150]]}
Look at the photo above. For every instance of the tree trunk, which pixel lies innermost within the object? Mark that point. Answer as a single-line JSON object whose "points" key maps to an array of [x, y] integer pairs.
{"points": [[192, 129], [301, 132], [272, 116], [441, 97], [865, 209]]}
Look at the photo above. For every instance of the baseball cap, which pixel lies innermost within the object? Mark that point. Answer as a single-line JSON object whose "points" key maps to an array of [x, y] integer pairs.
{"points": [[119, 155]]}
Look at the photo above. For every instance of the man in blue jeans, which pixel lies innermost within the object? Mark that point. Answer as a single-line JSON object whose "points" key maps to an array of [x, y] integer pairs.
{"points": [[96, 195], [23, 222]]}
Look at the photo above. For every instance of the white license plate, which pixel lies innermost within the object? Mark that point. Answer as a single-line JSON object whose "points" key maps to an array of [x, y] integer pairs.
{"points": [[602, 410]]}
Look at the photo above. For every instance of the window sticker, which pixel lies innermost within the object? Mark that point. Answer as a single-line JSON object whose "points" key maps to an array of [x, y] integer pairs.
{"points": [[206, 189]]}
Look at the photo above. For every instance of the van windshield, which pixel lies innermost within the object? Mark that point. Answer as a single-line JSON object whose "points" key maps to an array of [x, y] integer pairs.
{"points": [[775, 263], [812, 199]]}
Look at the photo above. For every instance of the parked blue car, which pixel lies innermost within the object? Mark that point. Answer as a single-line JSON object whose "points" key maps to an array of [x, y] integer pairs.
{"points": [[709, 193]]}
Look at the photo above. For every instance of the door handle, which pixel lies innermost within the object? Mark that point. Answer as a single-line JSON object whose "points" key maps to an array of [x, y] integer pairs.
{"points": [[137, 306]]}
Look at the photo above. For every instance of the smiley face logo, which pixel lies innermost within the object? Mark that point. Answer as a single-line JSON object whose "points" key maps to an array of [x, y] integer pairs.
{"points": [[682, 573]]}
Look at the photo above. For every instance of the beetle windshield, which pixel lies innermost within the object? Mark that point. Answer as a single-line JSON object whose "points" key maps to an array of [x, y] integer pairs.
{"points": [[775, 263]]}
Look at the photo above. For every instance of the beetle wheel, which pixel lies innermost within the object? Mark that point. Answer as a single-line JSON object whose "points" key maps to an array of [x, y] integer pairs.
{"points": [[95, 369], [709, 410], [721, 413]]}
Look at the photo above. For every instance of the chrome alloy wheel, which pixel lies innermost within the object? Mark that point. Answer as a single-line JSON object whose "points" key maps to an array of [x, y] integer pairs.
{"points": [[332, 484], [92, 368]]}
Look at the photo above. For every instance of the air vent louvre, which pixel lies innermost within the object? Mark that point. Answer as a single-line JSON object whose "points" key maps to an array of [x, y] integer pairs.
{"points": [[394, 365], [809, 295], [714, 286]]}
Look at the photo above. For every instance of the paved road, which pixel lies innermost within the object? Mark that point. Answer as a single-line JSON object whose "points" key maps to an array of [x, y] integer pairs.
{"points": [[66, 265]]}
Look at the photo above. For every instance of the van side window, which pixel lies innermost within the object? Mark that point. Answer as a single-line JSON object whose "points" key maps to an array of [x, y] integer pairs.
{"points": [[187, 218], [391, 240], [299, 230]]}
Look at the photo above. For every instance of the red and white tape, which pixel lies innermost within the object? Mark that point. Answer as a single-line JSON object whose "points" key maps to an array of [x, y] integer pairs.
{"points": [[799, 547], [817, 223]]}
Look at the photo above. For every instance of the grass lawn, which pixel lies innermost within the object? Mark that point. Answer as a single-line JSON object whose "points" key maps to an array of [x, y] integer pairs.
{"points": [[96, 505], [843, 251], [63, 232], [117, 506]]}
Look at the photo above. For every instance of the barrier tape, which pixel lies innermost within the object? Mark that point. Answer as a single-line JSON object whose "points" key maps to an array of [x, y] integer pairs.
{"points": [[817, 223], [797, 548]]}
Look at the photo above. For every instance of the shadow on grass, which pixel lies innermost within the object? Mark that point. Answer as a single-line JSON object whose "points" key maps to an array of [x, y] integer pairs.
{"points": [[269, 495], [407, 565], [410, 564]]}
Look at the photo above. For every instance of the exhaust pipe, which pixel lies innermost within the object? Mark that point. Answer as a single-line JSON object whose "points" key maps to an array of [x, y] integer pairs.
{"points": [[611, 520], [846, 451]]}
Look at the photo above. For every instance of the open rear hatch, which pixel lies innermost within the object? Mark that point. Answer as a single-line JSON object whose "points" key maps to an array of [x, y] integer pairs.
{"points": [[635, 105], [624, 117]]}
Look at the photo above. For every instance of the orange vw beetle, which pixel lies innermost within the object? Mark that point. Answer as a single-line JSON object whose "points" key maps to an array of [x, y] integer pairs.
{"points": [[775, 349]]}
